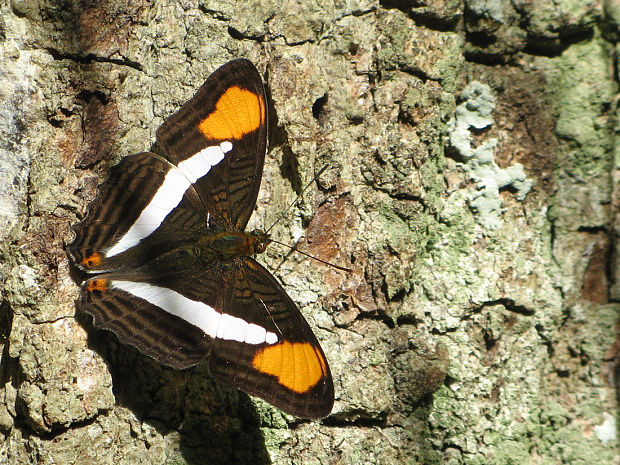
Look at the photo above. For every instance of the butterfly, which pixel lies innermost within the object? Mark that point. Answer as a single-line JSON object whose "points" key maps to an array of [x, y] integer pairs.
{"points": [[170, 267]]}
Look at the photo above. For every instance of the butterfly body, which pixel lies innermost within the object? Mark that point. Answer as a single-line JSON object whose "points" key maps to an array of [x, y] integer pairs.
{"points": [[171, 267], [232, 244]]}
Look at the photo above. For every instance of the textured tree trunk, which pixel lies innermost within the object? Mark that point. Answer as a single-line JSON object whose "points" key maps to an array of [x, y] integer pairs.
{"points": [[472, 188]]}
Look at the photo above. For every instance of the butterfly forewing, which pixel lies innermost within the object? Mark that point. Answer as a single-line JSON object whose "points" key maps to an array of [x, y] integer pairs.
{"points": [[157, 240], [229, 107]]}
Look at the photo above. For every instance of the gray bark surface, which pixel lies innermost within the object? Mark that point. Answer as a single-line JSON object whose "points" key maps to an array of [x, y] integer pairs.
{"points": [[472, 188]]}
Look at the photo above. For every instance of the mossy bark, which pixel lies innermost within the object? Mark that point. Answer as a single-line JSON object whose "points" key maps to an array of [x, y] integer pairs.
{"points": [[472, 188]]}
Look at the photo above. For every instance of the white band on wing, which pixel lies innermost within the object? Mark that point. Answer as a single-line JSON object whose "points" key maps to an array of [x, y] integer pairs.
{"points": [[169, 195], [199, 314]]}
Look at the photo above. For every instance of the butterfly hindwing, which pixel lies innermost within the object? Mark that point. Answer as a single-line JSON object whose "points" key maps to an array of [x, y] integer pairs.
{"points": [[290, 373], [230, 107], [125, 306]]}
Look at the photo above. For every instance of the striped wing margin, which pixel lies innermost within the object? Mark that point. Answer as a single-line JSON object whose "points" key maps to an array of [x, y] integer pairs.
{"points": [[229, 107]]}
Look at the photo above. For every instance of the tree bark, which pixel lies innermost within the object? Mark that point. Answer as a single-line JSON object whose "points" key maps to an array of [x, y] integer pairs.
{"points": [[472, 188]]}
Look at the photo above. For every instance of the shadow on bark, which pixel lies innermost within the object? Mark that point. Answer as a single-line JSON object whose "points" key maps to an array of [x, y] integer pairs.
{"points": [[217, 424]]}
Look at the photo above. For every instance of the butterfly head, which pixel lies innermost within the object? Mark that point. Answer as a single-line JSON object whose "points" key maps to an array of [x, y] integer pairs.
{"points": [[259, 240]]}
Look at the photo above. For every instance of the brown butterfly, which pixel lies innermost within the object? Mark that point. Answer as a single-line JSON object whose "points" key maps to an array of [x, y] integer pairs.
{"points": [[172, 266]]}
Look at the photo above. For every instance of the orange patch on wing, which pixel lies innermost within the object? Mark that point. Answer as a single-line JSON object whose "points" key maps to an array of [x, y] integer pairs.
{"points": [[92, 260], [97, 285], [299, 366], [237, 113]]}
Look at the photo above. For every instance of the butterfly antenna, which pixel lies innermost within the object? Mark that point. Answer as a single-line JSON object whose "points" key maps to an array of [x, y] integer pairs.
{"points": [[296, 200], [341, 268]]}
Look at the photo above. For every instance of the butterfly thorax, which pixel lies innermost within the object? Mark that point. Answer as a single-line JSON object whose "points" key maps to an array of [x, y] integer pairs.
{"points": [[232, 244]]}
